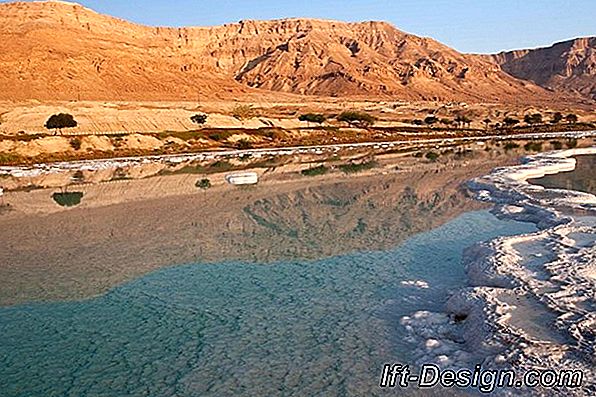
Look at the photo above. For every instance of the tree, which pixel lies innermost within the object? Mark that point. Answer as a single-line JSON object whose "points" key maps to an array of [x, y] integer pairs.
{"points": [[510, 121], [486, 122], [430, 120], [571, 118], [417, 122], [557, 117], [358, 119], [59, 121], [446, 122], [313, 118], [462, 121], [535, 118], [199, 119]]}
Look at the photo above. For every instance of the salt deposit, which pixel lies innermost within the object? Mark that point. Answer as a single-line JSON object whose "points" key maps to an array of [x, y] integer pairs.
{"points": [[531, 303]]}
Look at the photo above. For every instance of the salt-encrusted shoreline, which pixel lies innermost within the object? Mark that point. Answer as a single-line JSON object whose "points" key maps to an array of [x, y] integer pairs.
{"points": [[531, 303], [100, 164]]}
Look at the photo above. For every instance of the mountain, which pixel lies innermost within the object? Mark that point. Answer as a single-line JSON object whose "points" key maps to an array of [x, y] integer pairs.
{"points": [[58, 50], [565, 66]]}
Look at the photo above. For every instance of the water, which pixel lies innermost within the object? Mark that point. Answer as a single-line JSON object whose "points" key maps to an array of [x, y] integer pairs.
{"points": [[581, 179], [319, 327]]}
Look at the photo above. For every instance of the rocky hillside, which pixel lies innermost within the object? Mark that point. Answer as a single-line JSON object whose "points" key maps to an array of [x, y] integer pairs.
{"points": [[566, 66], [58, 50]]}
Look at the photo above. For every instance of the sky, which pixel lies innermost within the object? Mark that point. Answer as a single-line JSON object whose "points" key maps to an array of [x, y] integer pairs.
{"points": [[481, 26]]}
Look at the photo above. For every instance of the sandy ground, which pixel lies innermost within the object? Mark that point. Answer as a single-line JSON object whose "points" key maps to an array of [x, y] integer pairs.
{"points": [[150, 117], [112, 129], [127, 228]]}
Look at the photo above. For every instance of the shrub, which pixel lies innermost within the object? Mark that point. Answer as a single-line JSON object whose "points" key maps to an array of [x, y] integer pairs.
{"points": [[571, 143], [510, 145], [221, 165], [313, 118], [353, 168], [557, 145], [216, 136], [75, 143], [533, 146], [203, 184], [432, 156], [199, 119], [571, 118], [319, 170], [244, 144], [358, 119], [242, 112]]}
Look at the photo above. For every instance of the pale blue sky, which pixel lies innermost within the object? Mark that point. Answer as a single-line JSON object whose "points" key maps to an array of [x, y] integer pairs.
{"points": [[467, 25]]}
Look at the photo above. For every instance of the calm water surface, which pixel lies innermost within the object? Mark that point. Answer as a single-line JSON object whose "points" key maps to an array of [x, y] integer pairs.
{"points": [[582, 179], [323, 327]]}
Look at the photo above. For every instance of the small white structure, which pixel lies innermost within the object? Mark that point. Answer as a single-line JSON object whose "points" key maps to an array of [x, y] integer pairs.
{"points": [[243, 178]]}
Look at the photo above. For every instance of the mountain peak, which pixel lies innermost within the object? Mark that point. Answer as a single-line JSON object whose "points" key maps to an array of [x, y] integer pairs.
{"points": [[564, 66], [57, 50]]}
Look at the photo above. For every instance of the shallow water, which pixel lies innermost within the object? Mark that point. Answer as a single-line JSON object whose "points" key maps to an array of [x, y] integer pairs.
{"points": [[582, 179], [323, 327]]}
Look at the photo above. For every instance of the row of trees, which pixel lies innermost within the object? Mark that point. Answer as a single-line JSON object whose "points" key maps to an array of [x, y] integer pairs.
{"points": [[351, 117], [59, 121], [536, 118], [464, 121], [459, 121]]}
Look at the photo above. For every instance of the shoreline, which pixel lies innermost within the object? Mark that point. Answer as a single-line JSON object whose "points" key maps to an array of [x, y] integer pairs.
{"points": [[528, 304], [282, 150]]}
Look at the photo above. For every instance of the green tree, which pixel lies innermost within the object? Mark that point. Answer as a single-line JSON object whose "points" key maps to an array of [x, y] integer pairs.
{"points": [[510, 121], [535, 118], [59, 121], [557, 117], [486, 122], [571, 118], [199, 119], [430, 120], [357, 119], [462, 121]]}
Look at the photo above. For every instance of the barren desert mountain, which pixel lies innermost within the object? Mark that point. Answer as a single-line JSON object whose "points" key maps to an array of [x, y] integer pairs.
{"points": [[569, 65], [63, 51]]}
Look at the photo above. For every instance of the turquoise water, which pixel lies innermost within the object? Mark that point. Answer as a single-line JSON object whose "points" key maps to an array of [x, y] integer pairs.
{"points": [[322, 327]]}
